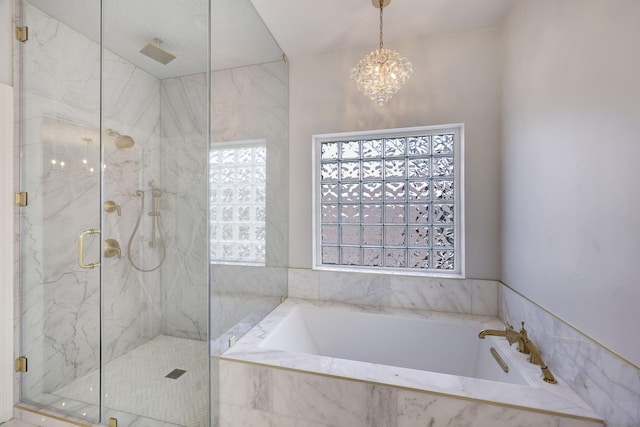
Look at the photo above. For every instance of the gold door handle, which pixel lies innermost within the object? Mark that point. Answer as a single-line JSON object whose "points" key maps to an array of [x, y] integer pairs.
{"points": [[81, 249]]}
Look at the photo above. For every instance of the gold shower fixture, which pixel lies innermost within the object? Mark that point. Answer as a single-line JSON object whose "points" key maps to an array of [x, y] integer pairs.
{"points": [[122, 142], [157, 53]]}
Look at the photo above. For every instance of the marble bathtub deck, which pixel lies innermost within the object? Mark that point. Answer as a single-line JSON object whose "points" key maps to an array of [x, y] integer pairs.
{"points": [[556, 399]]}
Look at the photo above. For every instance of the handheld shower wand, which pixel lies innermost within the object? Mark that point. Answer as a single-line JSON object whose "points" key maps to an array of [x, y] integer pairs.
{"points": [[156, 193], [156, 231]]}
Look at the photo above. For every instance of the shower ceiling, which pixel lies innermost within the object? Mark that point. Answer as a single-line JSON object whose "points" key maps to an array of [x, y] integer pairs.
{"points": [[239, 37]]}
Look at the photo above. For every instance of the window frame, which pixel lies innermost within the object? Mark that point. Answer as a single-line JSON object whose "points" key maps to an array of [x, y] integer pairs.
{"points": [[459, 212]]}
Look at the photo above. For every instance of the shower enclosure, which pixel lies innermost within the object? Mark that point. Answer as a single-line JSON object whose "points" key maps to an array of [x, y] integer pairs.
{"points": [[154, 232]]}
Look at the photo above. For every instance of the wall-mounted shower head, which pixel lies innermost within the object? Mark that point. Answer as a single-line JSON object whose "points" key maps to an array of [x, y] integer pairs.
{"points": [[122, 142], [158, 53]]}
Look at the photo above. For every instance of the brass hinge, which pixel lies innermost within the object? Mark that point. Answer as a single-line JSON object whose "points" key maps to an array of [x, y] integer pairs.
{"points": [[113, 422], [21, 198], [22, 34], [21, 364]]}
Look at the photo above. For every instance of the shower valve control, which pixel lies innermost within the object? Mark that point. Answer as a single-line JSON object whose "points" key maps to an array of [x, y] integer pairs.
{"points": [[111, 206], [112, 248]]}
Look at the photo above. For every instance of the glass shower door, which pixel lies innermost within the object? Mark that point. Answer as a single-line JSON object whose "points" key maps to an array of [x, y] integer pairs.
{"points": [[59, 228]]}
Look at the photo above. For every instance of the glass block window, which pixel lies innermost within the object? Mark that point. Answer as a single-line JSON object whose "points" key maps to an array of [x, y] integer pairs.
{"points": [[237, 201], [389, 200]]}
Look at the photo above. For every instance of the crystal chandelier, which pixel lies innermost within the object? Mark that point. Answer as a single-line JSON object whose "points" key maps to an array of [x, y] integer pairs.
{"points": [[382, 72]]}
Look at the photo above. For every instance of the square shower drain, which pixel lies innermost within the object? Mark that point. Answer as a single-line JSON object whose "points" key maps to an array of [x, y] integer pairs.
{"points": [[175, 374]]}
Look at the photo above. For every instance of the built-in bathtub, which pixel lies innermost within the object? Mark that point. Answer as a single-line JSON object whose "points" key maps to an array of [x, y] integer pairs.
{"points": [[407, 355]]}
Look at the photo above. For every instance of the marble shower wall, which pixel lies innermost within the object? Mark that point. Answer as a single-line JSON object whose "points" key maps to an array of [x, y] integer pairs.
{"points": [[248, 103], [252, 103], [184, 205], [60, 117], [131, 106]]}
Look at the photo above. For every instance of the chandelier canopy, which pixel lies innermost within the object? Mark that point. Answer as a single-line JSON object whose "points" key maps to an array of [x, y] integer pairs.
{"points": [[382, 72]]}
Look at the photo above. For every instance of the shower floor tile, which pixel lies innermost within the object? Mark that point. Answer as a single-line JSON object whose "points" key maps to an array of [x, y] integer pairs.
{"points": [[136, 382]]}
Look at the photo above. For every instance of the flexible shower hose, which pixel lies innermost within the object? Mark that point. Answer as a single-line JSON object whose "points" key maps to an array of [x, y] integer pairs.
{"points": [[140, 194]]}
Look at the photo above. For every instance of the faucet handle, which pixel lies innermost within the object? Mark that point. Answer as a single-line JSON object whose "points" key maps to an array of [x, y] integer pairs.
{"points": [[112, 248], [523, 339], [509, 333], [523, 331]]}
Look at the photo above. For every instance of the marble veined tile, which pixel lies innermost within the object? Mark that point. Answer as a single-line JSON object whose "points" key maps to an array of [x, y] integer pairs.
{"points": [[392, 290], [418, 410], [183, 178], [260, 396], [248, 358], [610, 385]]}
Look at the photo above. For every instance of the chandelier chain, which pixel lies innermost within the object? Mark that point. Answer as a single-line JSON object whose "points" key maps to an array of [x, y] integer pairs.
{"points": [[381, 7]]}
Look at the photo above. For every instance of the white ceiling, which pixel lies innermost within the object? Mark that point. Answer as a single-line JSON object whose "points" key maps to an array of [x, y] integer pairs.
{"points": [[305, 27], [240, 38]]}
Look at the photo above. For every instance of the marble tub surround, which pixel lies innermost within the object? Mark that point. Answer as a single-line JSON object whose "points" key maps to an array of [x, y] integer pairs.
{"points": [[468, 296], [260, 396], [608, 383], [529, 405]]}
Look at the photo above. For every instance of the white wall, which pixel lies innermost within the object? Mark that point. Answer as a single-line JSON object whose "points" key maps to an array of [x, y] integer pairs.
{"points": [[456, 79], [571, 233]]}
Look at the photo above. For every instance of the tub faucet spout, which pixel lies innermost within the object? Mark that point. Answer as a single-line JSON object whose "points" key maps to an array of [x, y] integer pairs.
{"points": [[524, 346], [508, 332]]}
